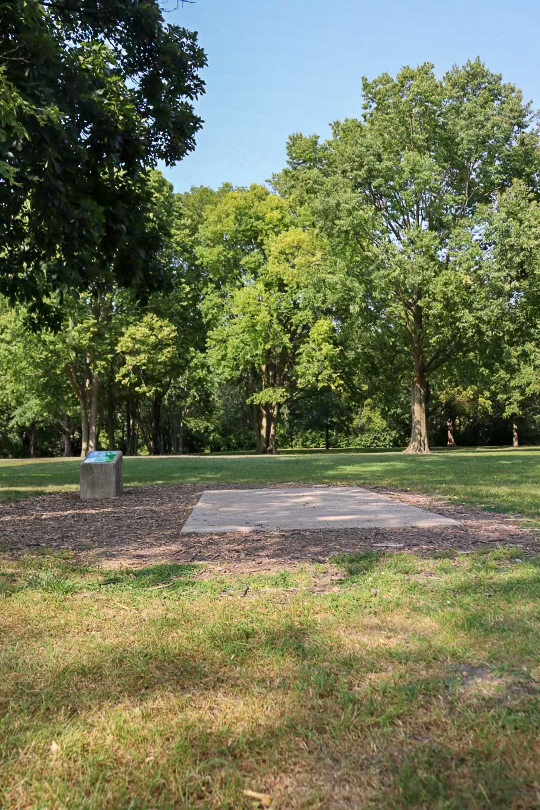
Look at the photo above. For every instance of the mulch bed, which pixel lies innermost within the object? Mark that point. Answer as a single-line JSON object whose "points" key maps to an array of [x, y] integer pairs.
{"points": [[143, 528]]}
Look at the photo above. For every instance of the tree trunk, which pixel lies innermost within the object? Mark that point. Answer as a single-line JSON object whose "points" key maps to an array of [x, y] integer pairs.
{"points": [[450, 428], [327, 437], [65, 427], [180, 436], [111, 405], [131, 441], [128, 427], [262, 439], [255, 414], [94, 412], [155, 446], [419, 436], [84, 430], [68, 445], [273, 414], [515, 435], [32, 441], [133, 438]]}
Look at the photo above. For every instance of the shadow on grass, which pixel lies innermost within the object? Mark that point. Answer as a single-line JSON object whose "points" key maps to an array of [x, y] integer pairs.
{"points": [[64, 576], [174, 575], [405, 740], [190, 708]]}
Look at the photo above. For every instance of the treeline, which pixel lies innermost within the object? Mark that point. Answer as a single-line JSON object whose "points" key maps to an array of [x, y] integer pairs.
{"points": [[384, 289]]}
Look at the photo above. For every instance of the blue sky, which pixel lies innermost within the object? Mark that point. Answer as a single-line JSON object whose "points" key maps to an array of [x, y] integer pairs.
{"points": [[278, 67]]}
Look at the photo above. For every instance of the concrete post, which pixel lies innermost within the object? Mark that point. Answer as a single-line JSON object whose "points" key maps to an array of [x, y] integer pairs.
{"points": [[102, 475]]}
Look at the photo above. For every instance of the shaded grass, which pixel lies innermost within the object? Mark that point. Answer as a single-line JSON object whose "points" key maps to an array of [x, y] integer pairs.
{"points": [[505, 480], [412, 685]]}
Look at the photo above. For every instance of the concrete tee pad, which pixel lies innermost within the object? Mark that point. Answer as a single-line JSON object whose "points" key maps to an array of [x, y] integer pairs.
{"points": [[319, 507]]}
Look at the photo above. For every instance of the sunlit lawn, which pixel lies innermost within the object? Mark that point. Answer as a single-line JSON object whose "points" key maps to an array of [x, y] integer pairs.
{"points": [[408, 683], [401, 683], [502, 479]]}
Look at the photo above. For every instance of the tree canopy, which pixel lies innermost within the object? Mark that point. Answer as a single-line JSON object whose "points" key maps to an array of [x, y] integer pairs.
{"points": [[385, 289], [408, 192], [92, 95]]}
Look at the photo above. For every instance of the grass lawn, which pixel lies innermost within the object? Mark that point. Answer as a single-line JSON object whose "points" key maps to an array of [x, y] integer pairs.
{"points": [[405, 683], [501, 479], [375, 681]]}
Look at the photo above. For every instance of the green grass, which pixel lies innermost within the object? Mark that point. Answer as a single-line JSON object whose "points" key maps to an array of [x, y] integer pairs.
{"points": [[501, 479], [406, 683]]}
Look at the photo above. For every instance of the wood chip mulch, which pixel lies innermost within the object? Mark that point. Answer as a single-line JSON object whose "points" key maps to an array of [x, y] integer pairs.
{"points": [[143, 528]]}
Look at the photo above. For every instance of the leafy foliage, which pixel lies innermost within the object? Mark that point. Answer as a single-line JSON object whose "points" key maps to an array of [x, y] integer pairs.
{"points": [[92, 96]]}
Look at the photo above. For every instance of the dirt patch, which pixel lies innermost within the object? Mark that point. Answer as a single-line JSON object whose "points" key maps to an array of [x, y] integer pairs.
{"points": [[143, 528]]}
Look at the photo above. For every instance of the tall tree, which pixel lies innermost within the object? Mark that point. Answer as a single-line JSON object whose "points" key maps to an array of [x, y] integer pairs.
{"points": [[407, 193], [149, 350], [269, 306], [34, 391], [516, 235]]}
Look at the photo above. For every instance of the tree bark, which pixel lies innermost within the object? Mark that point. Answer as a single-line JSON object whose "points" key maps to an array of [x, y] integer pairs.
{"points": [[68, 445], [81, 392], [133, 436], [84, 429], [419, 435], [180, 436], [515, 435], [32, 441], [273, 414], [450, 428], [262, 439], [65, 427], [111, 405], [155, 446], [255, 414], [94, 412], [128, 429]]}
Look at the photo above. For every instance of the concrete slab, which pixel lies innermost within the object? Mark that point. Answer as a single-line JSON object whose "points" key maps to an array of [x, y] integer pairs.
{"points": [[319, 507]]}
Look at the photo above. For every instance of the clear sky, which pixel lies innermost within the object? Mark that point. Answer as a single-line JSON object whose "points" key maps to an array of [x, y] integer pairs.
{"points": [[283, 66]]}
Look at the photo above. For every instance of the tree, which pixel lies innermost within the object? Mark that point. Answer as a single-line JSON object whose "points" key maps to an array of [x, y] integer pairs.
{"points": [[149, 350], [92, 95], [270, 307], [516, 236], [34, 392], [407, 193]]}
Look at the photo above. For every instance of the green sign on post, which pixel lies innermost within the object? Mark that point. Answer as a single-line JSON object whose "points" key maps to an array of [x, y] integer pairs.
{"points": [[101, 457]]}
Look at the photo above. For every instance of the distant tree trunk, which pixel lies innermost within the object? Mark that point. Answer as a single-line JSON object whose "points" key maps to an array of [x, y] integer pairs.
{"points": [[327, 436], [180, 436], [132, 441], [515, 434], [84, 433], [128, 427], [155, 447], [94, 412], [68, 445], [32, 441], [67, 433], [419, 435], [87, 394], [111, 406], [450, 426], [262, 438], [273, 414], [255, 416]]}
